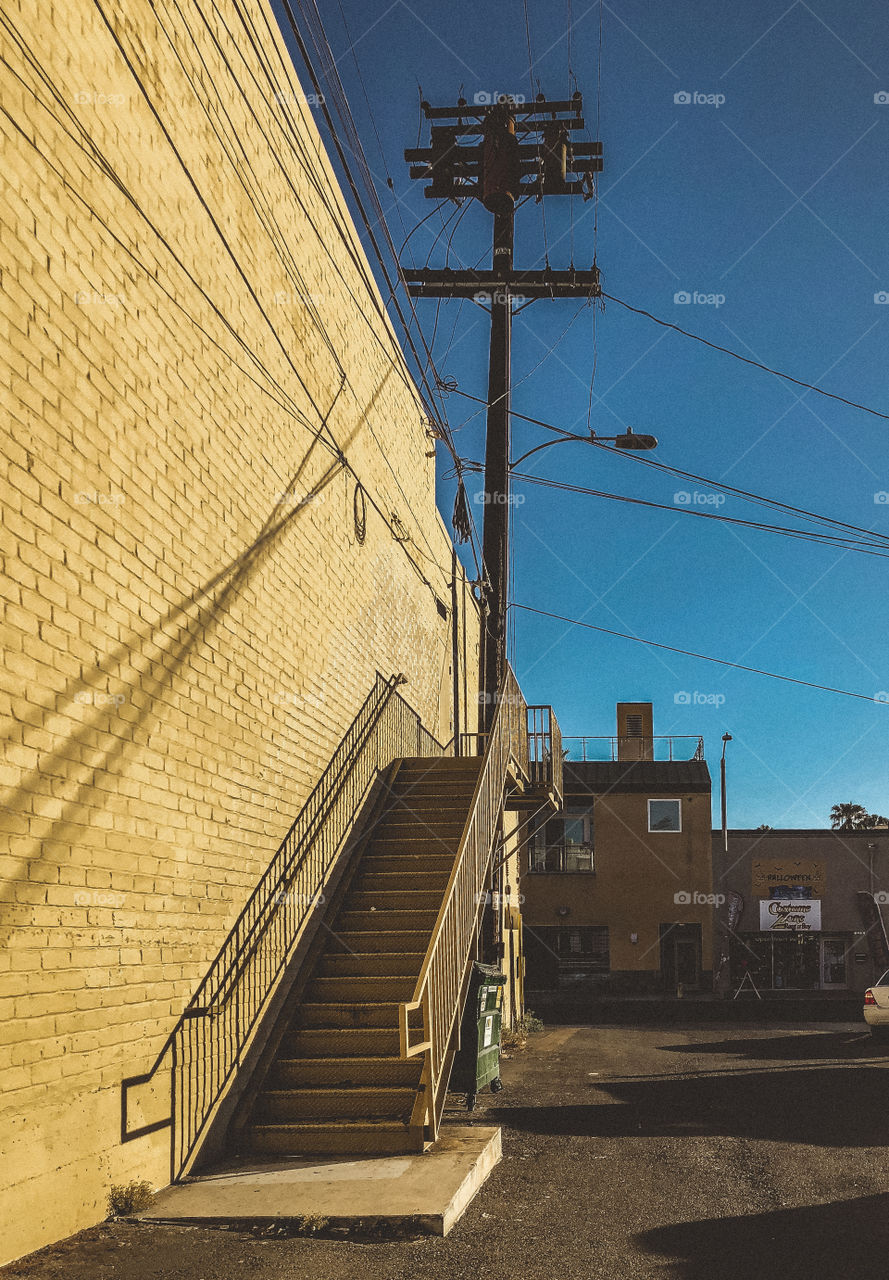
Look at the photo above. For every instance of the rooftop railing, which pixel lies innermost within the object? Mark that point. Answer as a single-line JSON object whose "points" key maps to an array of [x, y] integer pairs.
{"points": [[684, 746]]}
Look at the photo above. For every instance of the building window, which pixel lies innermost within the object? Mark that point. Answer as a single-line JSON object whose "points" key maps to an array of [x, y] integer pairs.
{"points": [[582, 949], [665, 815], [564, 843]]}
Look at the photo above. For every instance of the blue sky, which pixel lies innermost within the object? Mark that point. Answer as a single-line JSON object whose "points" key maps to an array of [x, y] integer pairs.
{"points": [[776, 201]]}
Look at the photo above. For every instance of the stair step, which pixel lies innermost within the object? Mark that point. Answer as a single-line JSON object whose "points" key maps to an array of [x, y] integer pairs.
{"points": [[418, 845], [276, 1106], [345, 1073], [342, 1042], [450, 790], [432, 830], [394, 900], [353, 1015], [372, 881], [411, 803], [367, 940], [434, 863], [381, 920], [385, 989], [442, 764], [366, 964], [370, 1138]]}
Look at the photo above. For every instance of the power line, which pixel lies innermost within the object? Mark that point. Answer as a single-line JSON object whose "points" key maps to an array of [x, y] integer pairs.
{"points": [[230, 250], [389, 183], [89, 147], [525, 376], [759, 499], [308, 8], [715, 346], [823, 539], [689, 653]]}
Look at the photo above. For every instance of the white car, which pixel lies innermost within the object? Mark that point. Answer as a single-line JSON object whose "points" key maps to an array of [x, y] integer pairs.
{"points": [[876, 1006]]}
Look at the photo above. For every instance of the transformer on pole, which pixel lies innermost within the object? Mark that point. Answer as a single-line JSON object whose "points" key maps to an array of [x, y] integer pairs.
{"points": [[498, 154]]}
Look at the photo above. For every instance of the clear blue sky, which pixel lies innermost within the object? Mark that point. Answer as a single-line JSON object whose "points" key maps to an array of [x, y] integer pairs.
{"points": [[776, 199]]}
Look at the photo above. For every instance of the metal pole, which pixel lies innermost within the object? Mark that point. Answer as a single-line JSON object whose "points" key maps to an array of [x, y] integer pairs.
{"points": [[455, 650], [495, 538], [726, 739]]}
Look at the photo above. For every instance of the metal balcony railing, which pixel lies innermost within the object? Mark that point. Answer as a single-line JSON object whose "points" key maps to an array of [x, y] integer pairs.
{"points": [[556, 858], [535, 743], [685, 746], [206, 1047], [545, 751]]}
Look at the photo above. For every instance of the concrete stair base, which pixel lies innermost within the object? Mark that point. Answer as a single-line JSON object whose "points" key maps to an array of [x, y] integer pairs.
{"points": [[399, 1196]]}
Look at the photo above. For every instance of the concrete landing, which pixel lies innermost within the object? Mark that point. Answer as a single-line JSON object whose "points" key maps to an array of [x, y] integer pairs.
{"points": [[383, 1196]]}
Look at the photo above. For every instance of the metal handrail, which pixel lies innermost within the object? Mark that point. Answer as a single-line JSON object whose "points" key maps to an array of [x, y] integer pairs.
{"points": [[440, 982], [208, 1042], [617, 743]]}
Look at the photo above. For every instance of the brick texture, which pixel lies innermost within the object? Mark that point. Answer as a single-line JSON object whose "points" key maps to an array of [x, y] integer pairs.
{"points": [[191, 340]]}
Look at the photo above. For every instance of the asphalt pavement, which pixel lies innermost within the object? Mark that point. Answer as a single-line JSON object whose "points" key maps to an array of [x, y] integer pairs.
{"points": [[695, 1152]]}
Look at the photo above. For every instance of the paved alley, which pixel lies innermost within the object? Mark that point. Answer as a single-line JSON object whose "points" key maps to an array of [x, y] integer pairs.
{"points": [[629, 1154]]}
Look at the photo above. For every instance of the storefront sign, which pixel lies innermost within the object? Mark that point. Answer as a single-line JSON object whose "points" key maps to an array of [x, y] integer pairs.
{"points": [[769, 874], [790, 914]]}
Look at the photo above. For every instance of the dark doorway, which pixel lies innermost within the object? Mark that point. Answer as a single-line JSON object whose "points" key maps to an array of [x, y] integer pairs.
{"points": [[681, 956]]}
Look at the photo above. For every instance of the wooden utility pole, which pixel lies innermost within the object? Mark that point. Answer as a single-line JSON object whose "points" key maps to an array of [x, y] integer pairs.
{"points": [[525, 149]]}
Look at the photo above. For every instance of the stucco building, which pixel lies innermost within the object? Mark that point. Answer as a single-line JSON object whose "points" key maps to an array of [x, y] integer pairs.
{"points": [[618, 892]]}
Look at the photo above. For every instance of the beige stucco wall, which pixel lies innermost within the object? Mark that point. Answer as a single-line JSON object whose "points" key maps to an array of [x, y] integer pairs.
{"points": [[638, 877], [190, 331]]}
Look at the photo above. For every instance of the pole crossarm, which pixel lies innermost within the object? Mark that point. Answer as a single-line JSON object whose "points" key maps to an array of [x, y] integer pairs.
{"points": [[532, 188], [520, 285], [523, 111], [472, 155], [546, 157]]}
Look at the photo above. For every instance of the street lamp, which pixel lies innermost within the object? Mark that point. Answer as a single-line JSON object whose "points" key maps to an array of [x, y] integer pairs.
{"points": [[629, 440], [726, 739]]}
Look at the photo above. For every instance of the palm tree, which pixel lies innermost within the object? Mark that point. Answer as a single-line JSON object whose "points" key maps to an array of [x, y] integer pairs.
{"points": [[875, 820], [848, 817]]}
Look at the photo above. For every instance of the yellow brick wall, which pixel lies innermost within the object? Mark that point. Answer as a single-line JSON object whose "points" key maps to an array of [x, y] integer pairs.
{"points": [[190, 331]]}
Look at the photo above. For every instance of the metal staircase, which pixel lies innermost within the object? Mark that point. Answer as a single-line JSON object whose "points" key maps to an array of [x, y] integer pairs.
{"points": [[334, 1030], [337, 1082]]}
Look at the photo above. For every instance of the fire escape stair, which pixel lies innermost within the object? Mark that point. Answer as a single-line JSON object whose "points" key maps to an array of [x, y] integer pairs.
{"points": [[336, 1083]]}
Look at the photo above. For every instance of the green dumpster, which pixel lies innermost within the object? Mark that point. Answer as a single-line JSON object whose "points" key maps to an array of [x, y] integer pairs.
{"points": [[477, 1062]]}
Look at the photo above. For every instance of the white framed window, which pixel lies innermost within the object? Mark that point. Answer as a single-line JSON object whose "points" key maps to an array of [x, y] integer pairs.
{"points": [[665, 815]]}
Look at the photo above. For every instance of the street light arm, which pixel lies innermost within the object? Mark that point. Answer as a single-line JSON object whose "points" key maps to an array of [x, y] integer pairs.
{"points": [[630, 440], [547, 444]]}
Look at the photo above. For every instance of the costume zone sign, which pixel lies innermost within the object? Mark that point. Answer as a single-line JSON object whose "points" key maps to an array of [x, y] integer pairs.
{"points": [[777, 914]]}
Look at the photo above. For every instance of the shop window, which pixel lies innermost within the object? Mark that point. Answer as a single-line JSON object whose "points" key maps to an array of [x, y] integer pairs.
{"points": [[665, 815]]}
